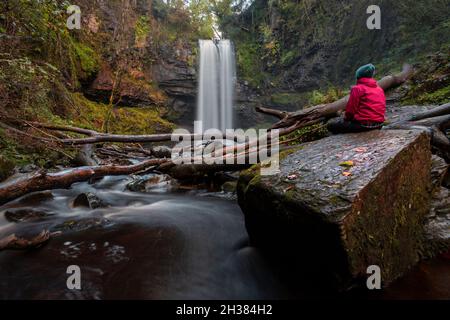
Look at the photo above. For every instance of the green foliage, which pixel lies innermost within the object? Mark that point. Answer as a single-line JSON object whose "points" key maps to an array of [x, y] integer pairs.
{"points": [[332, 94], [439, 96], [42, 25], [431, 82], [180, 20], [287, 31], [87, 57], [26, 88], [91, 115], [288, 58], [249, 63], [142, 28], [306, 134]]}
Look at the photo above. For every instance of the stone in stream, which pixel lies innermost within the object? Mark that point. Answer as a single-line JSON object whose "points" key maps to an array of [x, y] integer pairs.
{"points": [[344, 203], [22, 215], [152, 183], [88, 200], [162, 152]]}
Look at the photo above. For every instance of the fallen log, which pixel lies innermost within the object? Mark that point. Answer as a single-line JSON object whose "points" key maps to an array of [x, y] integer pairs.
{"points": [[42, 180], [435, 112], [330, 110]]}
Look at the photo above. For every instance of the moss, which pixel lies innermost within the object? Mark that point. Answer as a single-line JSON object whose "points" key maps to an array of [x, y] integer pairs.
{"points": [[439, 96], [37, 83], [306, 134], [142, 29], [20, 152], [124, 120], [393, 243], [229, 186], [288, 58], [6, 168], [430, 83], [285, 153], [87, 57]]}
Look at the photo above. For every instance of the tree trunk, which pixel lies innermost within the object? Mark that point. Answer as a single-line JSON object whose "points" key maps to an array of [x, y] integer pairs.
{"points": [[45, 181]]}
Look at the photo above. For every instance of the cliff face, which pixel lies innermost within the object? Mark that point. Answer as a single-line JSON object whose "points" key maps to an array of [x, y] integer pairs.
{"points": [[129, 69], [147, 54], [303, 45]]}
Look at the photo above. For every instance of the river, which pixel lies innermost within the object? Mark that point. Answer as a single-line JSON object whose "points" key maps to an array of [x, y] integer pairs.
{"points": [[161, 245]]}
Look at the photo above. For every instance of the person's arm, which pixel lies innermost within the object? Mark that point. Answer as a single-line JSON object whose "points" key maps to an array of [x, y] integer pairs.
{"points": [[353, 103]]}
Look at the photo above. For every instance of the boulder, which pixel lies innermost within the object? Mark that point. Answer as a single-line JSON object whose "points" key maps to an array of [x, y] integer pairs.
{"points": [[88, 200], [162, 152], [152, 183], [344, 203]]}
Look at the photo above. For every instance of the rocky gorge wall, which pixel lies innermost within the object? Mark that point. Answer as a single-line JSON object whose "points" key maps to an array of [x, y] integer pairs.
{"points": [[153, 53]]}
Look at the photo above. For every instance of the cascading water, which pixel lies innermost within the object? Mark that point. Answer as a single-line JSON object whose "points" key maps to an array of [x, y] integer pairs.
{"points": [[217, 78]]}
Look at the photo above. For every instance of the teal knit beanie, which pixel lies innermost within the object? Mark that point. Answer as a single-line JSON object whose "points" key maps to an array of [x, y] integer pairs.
{"points": [[366, 71]]}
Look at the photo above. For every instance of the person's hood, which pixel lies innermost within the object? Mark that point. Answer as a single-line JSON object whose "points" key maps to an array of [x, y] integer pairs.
{"points": [[369, 82]]}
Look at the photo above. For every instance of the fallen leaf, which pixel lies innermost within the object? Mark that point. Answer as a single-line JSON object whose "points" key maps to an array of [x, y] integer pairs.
{"points": [[346, 174], [347, 163]]}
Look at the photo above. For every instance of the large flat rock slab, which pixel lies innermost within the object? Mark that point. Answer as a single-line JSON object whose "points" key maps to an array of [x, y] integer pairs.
{"points": [[344, 203]]}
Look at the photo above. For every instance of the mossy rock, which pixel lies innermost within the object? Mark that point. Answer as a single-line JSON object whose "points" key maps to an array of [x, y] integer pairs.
{"points": [[343, 223]]}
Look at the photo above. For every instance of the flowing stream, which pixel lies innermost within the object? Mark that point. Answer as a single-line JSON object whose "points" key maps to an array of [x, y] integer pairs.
{"points": [[158, 245]]}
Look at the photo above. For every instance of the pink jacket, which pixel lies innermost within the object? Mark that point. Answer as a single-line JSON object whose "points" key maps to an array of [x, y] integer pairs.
{"points": [[367, 102]]}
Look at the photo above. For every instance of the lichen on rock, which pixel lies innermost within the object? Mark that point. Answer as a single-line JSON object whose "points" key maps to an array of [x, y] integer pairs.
{"points": [[345, 223]]}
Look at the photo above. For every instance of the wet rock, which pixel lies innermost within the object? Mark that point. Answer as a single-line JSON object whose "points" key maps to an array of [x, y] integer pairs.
{"points": [[162, 152], [437, 224], [229, 186], [36, 198], [80, 224], [22, 215], [28, 168], [152, 183], [439, 170], [344, 219], [88, 200]]}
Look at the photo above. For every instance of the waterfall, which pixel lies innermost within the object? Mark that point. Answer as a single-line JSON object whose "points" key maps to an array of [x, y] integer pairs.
{"points": [[216, 84]]}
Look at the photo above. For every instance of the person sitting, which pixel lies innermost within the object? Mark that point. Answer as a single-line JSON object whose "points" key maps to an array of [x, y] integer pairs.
{"points": [[366, 106]]}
